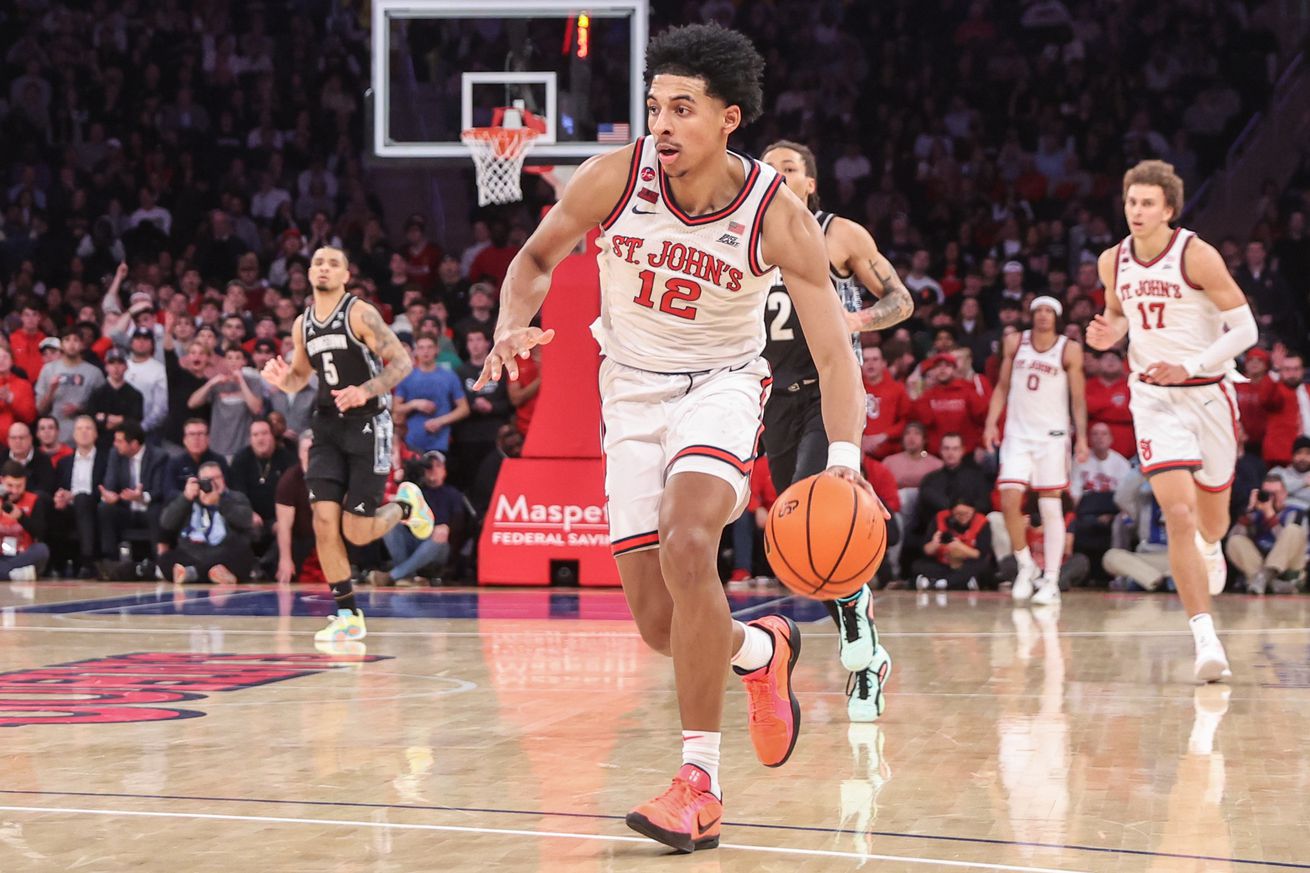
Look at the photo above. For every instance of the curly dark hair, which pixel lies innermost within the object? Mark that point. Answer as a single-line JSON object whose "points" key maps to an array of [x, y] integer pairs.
{"points": [[733, 71]]}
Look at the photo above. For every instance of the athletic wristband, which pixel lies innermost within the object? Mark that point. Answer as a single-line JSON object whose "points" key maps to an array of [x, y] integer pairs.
{"points": [[844, 455]]}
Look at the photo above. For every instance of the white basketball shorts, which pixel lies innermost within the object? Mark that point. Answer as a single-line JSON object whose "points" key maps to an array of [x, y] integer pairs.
{"points": [[1042, 465], [656, 425], [1186, 427]]}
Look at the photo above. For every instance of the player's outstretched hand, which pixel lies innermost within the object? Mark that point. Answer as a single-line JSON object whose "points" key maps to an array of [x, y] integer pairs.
{"points": [[350, 397], [860, 482], [515, 344], [1162, 373], [275, 371]]}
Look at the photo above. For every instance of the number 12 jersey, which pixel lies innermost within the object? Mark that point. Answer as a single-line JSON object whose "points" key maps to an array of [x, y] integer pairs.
{"points": [[683, 293]]}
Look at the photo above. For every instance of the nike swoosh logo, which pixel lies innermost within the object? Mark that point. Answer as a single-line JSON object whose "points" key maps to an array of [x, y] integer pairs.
{"points": [[709, 824], [1208, 402], [636, 211]]}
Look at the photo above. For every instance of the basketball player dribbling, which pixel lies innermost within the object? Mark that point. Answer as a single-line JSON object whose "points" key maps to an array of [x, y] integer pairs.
{"points": [[1041, 377], [1186, 320], [345, 341], [794, 435], [690, 234]]}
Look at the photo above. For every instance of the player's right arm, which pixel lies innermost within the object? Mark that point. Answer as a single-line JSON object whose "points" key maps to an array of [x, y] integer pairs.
{"points": [[294, 376], [991, 430], [1106, 329], [589, 198]]}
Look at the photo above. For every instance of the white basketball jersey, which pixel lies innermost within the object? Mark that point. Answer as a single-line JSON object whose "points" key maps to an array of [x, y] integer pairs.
{"points": [[682, 293], [1037, 406], [1169, 318]]}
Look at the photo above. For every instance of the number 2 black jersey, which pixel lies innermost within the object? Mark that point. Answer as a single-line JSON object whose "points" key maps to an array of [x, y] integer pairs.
{"points": [[785, 348], [340, 358]]}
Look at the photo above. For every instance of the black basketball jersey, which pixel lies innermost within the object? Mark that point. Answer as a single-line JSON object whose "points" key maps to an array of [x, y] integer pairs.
{"points": [[784, 347], [339, 357]]}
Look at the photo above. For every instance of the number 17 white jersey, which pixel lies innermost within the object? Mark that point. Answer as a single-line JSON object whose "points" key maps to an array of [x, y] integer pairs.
{"points": [[1170, 319]]}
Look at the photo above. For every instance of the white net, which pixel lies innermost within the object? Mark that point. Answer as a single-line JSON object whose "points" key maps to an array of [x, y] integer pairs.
{"points": [[498, 154]]}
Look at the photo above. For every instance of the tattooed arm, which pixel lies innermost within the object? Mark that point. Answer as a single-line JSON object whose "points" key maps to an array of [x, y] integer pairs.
{"points": [[368, 325], [852, 247]]}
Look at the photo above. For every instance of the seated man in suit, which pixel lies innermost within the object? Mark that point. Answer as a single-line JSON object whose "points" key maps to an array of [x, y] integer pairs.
{"points": [[22, 448], [80, 475], [184, 467], [130, 493]]}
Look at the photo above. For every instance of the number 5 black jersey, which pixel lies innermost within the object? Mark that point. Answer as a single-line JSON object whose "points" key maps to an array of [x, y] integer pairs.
{"points": [[340, 358]]}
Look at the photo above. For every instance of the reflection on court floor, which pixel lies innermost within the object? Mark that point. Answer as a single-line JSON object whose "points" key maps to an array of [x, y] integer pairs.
{"points": [[512, 729]]}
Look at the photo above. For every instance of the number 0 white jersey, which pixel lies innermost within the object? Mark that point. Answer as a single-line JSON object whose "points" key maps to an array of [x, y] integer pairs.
{"points": [[1037, 406], [682, 293], [1170, 318]]}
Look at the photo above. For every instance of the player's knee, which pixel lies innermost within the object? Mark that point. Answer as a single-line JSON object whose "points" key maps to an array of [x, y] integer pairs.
{"points": [[326, 525], [656, 635], [685, 552], [1179, 517]]}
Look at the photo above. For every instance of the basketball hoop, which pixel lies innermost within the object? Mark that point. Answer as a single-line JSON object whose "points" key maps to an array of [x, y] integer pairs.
{"points": [[498, 154]]}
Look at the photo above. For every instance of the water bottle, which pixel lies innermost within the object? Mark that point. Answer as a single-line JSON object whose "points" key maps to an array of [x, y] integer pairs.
{"points": [[124, 552]]}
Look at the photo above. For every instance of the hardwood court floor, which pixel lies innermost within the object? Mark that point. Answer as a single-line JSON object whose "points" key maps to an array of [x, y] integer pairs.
{"points": [[505, 730]]}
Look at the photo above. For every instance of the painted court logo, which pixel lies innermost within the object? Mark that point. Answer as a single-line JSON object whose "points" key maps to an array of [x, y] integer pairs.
{"points": [[122, 689]]}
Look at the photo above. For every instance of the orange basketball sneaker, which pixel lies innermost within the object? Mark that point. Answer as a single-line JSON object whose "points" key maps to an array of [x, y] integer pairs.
{"points": [[775, 713], [686, 817]]}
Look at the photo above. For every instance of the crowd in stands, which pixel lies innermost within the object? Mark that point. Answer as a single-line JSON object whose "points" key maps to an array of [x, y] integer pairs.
{"points": [[170, 168]]}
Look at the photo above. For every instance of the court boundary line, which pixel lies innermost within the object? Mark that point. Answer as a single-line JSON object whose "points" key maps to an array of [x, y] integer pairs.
{"points": [[1235, 632], [515, 832], [1288, 865]]}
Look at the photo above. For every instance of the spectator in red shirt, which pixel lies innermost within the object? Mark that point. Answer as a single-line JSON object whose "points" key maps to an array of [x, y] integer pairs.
{"points": [[523, 389], [422, 258], [17, 401], [25, 343], [1107, 399], [492, 263], [886, 406], [950, 405], [746, 529], [1255, 366], [47, 440], [1282, 400]]}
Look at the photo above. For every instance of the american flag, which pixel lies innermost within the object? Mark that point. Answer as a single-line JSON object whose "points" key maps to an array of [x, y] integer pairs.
{"points": [[736, 227], [613, 133]]}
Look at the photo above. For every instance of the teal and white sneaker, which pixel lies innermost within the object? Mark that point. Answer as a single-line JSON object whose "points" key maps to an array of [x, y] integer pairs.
{"points": [[865, 700], [420, 521], [345, 626], [857, 636]]}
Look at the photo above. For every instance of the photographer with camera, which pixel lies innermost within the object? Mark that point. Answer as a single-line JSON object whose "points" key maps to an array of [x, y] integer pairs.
{"points": [[213, 527], [1268, 543], [957, 555], [23, 518]]}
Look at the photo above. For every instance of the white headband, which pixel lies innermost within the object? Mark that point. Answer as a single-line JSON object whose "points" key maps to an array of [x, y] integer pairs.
{"points": [[1046, 300]]}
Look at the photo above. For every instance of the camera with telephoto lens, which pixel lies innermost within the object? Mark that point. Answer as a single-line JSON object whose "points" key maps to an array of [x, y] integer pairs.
{"points": [[206, 485], [1263, 496]]}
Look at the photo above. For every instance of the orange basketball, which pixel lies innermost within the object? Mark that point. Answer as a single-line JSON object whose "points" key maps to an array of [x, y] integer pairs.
{"points": [[825, 537]]}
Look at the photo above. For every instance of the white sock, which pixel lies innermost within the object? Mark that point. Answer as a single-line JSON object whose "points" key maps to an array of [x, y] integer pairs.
{"points": [[1052, 512], [702, 749], [756, 648], [1024, 557], [1203, 629]]}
